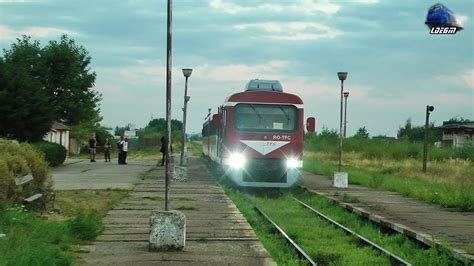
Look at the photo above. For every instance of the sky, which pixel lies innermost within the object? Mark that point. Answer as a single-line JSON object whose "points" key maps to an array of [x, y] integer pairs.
{"points": [[395, 67]]}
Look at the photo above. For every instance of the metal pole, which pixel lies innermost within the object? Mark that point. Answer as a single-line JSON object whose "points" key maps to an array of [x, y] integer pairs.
{"points": [[183, 142], [345, 115], [168, 109], [425, 147], [209, 134], [340, 130]]}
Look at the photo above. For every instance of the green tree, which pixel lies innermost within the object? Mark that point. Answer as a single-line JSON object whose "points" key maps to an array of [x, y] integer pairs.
{"points": [[24, 103], [458, 120], [362, 133], [67, 77], [159, 124], [119, 131], [417, 133]]}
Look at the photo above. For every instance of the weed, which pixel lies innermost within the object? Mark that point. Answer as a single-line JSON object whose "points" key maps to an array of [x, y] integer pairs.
{"points": [[349, 198], [378, 207], [183, 199], [202, 238], [153, 198], [86, 225], [186, 208]]}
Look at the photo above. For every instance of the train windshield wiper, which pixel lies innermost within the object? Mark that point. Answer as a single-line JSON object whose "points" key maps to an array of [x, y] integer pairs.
{"points": [[283, 110], [255, 110]]}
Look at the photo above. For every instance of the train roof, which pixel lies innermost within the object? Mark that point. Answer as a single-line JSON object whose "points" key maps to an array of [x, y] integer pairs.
{"points": [[263, 85], [264, 97]]}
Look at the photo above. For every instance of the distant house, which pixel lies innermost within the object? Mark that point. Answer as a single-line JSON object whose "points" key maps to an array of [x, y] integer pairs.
{"points": [[131, 134], [59, 133], [455, 134]]}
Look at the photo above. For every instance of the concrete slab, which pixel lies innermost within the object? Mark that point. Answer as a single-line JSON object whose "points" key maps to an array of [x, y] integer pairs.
{"points": [[83, 174]]}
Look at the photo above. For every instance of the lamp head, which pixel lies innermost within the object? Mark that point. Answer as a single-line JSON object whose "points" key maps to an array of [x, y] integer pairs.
{"points": [[346, 94], [342, 75], [187, 72]]}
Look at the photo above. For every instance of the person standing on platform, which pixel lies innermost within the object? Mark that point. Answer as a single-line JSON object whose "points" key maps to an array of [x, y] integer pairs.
{"points": [[124, 150], [107, 148], [120, 149], [92, 147], [164, 148]]}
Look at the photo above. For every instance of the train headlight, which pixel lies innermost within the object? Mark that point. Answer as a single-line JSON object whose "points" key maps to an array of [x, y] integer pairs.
{"points": [[292, 163], [237, 160]]}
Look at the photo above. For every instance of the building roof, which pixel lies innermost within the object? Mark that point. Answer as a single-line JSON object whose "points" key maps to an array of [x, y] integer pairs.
{"points": [[468, 126], [60, 126]]}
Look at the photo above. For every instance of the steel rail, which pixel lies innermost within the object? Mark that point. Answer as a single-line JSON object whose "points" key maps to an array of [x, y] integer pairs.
{"points": [[393, 258], [301, 253]]}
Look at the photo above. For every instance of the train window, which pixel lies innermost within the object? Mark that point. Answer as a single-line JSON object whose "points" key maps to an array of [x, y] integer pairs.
{"points": [[265, 117]]}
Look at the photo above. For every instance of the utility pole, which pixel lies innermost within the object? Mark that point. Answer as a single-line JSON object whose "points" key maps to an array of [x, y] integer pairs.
{"points": [[429, 109], [168, 108]]}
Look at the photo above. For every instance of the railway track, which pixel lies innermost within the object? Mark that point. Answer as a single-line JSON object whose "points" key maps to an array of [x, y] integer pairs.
{"points": [[301, 253], [394, 259]]}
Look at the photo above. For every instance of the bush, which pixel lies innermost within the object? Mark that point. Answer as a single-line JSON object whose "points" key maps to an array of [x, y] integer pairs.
{"points": [[465, 152], [19, 159], [86, 226], [54, 153]]}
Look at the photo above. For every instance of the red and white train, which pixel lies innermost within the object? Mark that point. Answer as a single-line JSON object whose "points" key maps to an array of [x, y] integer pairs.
{"points": [[257, 136]]}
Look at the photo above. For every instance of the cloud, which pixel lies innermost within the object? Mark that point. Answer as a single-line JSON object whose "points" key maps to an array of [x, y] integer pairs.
{"points": [[308, 7], [293, 31], [240, 72], [6, 34], [9, 34], [366, 1], [227, 7], [464, 78], [469, 78]]}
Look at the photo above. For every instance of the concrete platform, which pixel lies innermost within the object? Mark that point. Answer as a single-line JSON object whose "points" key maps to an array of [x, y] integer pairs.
{"points": [[83, 174], [416, 219], [216, 232]]}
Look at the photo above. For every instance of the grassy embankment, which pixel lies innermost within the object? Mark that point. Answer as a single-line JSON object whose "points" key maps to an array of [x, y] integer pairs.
{"points": [[322, 241], [51, 239], [449, 180]]}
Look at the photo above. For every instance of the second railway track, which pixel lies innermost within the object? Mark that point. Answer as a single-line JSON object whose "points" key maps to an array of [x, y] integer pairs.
{"points": [[394, 259]]}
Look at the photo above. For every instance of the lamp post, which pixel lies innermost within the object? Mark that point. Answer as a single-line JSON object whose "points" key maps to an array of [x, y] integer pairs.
{"points": [[346, 95], [187, 73], [429, 109], [342, 76]]}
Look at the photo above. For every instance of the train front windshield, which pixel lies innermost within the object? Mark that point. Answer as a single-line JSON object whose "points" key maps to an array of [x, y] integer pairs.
{"points": [[265, 117]]}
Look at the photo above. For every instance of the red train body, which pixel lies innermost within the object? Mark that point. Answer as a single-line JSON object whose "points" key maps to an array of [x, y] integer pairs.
{"points": [[257, 136]]}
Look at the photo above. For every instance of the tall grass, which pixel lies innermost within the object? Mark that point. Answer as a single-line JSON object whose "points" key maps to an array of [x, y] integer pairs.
{"points": [[450, 190], [384, 148], [33, 241], [396, 166]]}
